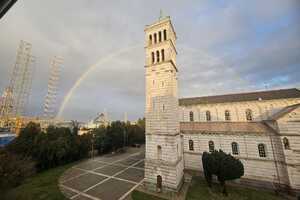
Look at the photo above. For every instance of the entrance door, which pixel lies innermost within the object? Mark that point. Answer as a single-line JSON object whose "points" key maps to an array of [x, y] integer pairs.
{"points": [[159, 183]]}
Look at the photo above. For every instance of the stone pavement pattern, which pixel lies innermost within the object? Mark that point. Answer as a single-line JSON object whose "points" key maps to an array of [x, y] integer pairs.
{"points": [[110, 177]]}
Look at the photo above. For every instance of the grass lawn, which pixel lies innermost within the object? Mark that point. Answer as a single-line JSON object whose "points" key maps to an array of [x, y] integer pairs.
{"points": [[43, 185], [137, 195], [199, 191]]}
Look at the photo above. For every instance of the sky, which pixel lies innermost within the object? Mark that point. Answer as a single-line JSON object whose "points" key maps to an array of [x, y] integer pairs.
{"points": [[223, 47]]}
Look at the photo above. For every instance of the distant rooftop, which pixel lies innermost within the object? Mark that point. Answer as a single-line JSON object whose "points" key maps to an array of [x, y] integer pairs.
{"points": [[239, 97]]}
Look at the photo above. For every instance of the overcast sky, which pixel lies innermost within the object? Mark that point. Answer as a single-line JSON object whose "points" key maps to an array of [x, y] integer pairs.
{"points": [[223, 47]]}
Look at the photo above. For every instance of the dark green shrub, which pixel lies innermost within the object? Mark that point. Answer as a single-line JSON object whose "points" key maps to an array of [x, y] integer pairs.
{"points": [[224, 166]]}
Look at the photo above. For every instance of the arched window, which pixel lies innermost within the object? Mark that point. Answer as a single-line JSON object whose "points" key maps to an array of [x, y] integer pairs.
{"points": [[191, 145], [157, 56], [159, 183], [159, 152], [235, 148], [159, 36], [262, 150], [155, 38], [286, 143], [162, 55], [208, 117], [227, 115], [249, 115], [165, 34], [191, 116], [150, 39], [211, 146], [153, 57]]}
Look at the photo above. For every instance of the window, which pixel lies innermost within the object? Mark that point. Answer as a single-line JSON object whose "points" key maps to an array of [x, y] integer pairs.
{"points": [[262, 150], [191, 116], [208, 117], [153, 57], [211, 146], [165, 34], [191, 145], [235, 148], [157, 56], [227, 115], [159, 152], [286, 143], [150, 39], [162, 84], [159, 36], [163, 106], [153, 82], [155, 38], [162, 55], [249, 115]]}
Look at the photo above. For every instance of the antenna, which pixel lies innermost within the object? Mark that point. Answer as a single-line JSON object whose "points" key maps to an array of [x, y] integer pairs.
{"points": [[160, 14]]}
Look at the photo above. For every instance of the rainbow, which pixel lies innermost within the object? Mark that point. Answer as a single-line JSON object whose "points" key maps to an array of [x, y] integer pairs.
{"points": [[87, 72]]}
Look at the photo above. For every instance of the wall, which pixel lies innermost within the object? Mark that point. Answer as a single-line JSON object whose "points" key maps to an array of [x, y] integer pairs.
{"points": [[261, 110]]}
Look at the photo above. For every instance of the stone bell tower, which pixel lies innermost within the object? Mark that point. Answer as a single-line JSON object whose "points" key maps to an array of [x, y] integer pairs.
{"points": [[164, 152]]}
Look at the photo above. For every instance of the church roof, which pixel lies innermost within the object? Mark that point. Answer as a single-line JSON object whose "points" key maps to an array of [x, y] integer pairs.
{"points": [[225, 127], [251, 96], [284, 111]]}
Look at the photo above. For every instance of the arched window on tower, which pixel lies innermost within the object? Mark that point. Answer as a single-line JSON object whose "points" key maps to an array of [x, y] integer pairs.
{"points": [[165, 34], [157, 56], [150, 39], [227, 115], [191, 145], [261, 150], [159, 36], [162, 55], [159, 152], [153, 57], [286, 143], [155, 38], [249, 115], [191, 116], [235, 148], [208, 116], [211, 146]]}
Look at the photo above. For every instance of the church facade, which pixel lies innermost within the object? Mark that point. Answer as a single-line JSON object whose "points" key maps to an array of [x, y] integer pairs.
{"points": [[262, 129]]}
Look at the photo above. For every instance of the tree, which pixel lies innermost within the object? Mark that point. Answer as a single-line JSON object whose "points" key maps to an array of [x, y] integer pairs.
{"points": [[14, 169], [224, 166], [102, 141]]}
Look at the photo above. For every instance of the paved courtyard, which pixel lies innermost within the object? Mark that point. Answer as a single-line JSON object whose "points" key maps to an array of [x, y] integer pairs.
{"points": [[110, 177]]}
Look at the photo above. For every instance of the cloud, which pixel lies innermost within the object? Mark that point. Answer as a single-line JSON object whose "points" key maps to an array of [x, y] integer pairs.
{"points": [[224, 46]]}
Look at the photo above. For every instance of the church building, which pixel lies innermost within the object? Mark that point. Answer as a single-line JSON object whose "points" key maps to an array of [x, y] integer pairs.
{"points": [[262, 129]]}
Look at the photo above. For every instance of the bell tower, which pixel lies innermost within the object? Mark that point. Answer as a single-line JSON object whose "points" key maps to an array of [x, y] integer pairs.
{"points": [[164, 152]]}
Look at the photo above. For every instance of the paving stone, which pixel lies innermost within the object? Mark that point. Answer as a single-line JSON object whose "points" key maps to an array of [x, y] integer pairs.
{"points": [[110, 170], [140, 164], [85, 181], [127, 162], [110, 190], [81, 197], [132, 174], [68, 193], [71, 173], [90, 165]]}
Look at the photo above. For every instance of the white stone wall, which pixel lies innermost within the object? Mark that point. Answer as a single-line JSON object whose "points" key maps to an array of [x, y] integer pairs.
{"points": [[289, 127], [261, 110], [256, 168], [164, 152]]}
